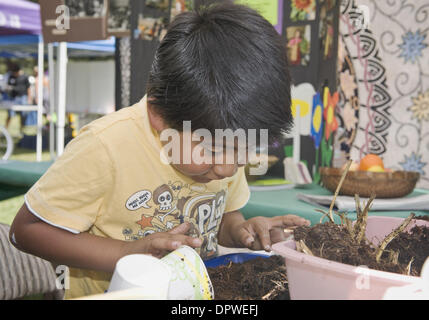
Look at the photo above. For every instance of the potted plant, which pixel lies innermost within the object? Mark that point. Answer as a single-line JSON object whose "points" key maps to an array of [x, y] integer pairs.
{"points": [[352, 260]]}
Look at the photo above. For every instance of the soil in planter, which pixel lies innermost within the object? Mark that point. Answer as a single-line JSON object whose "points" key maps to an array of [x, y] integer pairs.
{"points": [[334, 242], [413, 245], [255, 279], [426, 218]]}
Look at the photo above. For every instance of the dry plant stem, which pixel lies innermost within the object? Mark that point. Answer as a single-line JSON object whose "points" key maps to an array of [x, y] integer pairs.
{"points": [[357, 203], [342, 217], [298, 246], [358, 212], [302, 247], [345, 222], [409, 266], [280, 286], [324, 214], [321, 249], [349, 226], [392, 236], [331, 217], [269, 294], [360, 225], [393, 257]]}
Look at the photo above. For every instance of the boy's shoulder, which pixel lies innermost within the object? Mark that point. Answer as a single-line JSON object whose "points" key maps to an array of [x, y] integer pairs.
{"points": [[127, 129], [118, 120]]}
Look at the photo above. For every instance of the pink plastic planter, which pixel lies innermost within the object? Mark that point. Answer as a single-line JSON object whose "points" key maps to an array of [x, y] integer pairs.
{"points": [[316, 278]]}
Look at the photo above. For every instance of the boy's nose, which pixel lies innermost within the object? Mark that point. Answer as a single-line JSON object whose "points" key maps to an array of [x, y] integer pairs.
{"points": [[225, 170]]}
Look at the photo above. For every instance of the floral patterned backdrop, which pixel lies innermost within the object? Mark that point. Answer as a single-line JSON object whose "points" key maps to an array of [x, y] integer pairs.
{"points": [[384, 61]]}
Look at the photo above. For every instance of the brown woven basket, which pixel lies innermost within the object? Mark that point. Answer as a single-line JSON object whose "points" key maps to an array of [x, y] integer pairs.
{"points": [[364, 183]]}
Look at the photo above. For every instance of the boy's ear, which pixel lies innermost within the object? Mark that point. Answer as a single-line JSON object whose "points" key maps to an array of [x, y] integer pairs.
{"points": [[155, 120]]}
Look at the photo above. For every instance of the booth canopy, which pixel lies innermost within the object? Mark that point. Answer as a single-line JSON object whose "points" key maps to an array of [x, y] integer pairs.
{"points": [[20, 32], [19, 17]]}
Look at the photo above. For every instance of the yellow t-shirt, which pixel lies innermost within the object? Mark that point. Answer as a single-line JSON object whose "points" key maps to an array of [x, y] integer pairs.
{"points": [[111, 182]]}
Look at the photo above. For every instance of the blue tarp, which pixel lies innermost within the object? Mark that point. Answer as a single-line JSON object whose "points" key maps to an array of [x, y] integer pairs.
{"points": [[19, 39], [25, 45], [99, 45]]}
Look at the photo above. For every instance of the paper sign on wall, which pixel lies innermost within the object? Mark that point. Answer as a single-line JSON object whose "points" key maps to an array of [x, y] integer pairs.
{"points": [[272, 10], [302, 96]]}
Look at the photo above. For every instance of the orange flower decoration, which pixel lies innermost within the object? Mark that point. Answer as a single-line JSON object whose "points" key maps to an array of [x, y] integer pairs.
{"points": [[302, 4], [330, 102]]}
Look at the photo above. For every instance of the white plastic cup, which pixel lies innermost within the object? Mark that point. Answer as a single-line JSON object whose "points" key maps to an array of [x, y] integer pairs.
{"points": [[189, 279], [142, 271]]}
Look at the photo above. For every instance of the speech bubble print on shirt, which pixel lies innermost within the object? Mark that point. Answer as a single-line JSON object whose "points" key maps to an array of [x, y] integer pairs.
{"points": [[138, 200]]}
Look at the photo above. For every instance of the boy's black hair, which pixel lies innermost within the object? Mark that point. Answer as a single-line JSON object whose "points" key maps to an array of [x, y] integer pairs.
{"points": [[222, 66]]}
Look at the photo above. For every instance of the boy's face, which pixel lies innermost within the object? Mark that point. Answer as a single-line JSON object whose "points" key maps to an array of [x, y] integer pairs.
{"points": [[200, 160], [208, 162]]}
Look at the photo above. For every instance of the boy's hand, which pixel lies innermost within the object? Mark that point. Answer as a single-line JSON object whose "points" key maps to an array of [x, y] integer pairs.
{"points": [[161, 243], [259, 233]]}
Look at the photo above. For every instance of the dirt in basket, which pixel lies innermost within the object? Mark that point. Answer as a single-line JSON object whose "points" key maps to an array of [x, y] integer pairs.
{"points": [[334, 242], [255, 279]]}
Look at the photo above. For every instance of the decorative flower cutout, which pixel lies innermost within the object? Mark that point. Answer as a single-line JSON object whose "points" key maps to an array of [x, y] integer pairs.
{"points": [[303, 4], [420, 108], [316, 120], [349, 117], [413, 163], [330, 102], [302, 10], [341, 52], [412, 46], [347, 83]]}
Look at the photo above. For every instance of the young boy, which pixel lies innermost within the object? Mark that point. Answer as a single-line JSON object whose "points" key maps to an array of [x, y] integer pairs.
{"points": [[110, 194]]}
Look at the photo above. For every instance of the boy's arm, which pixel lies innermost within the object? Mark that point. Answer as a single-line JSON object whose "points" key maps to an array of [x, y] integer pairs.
{"points": [[230, 222], [32, 235]]}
